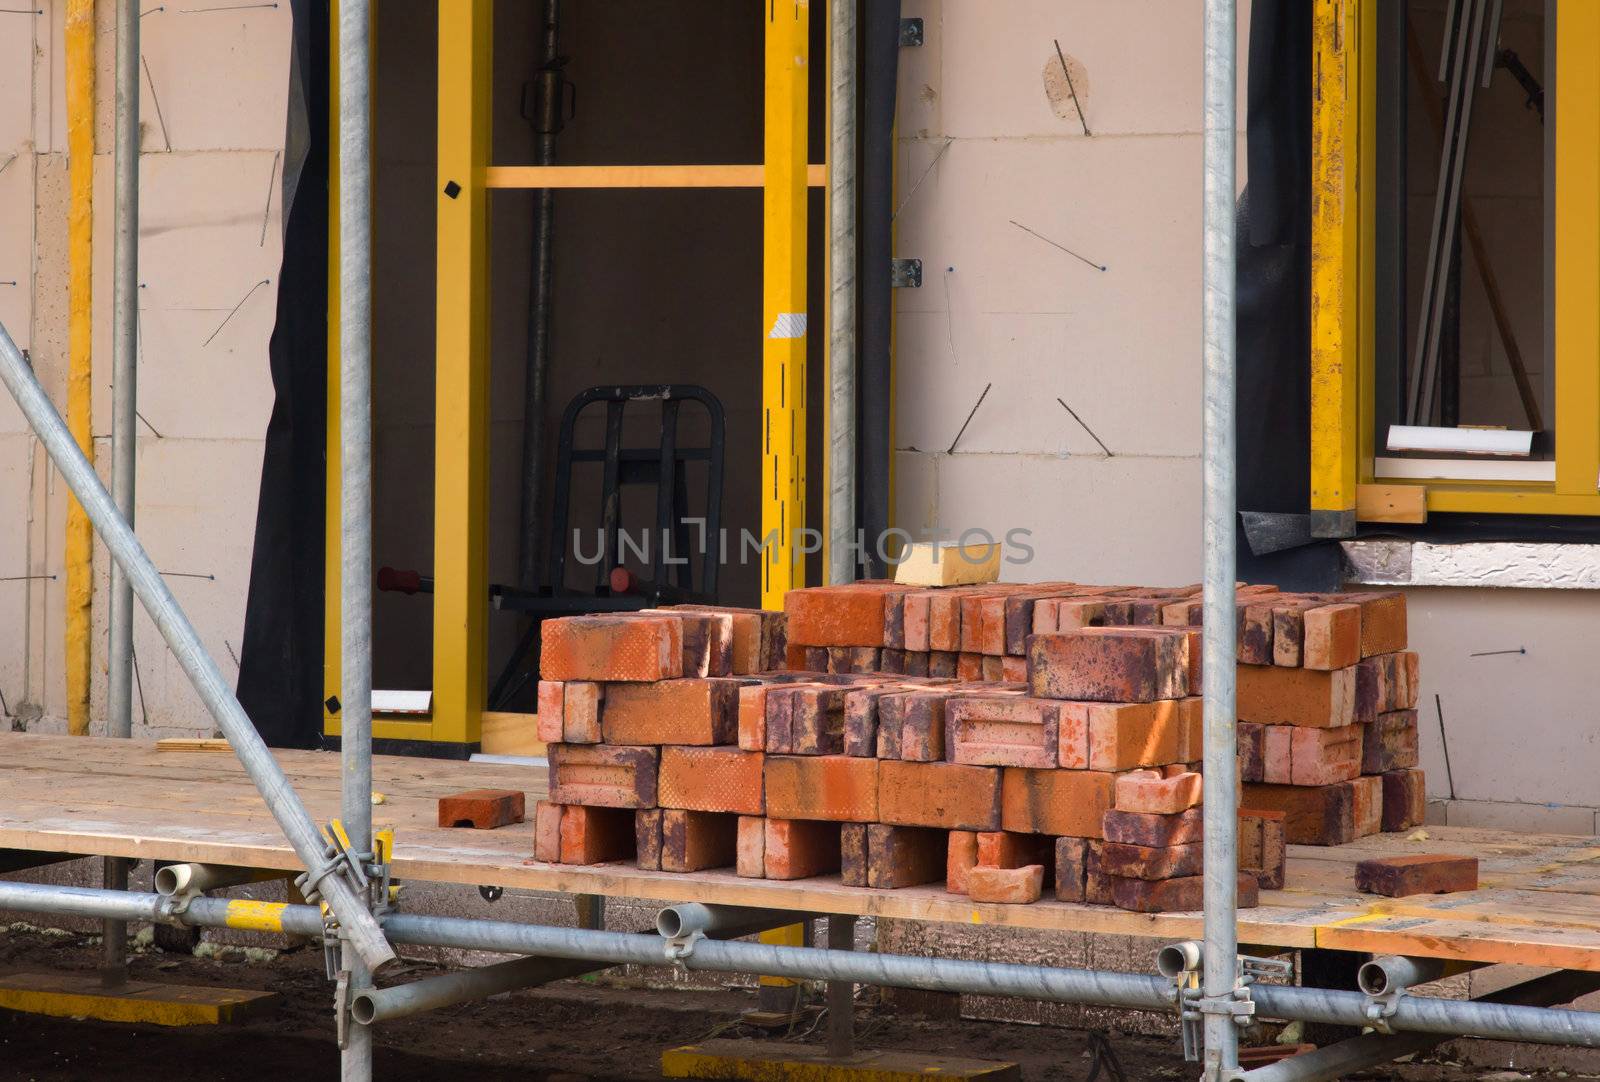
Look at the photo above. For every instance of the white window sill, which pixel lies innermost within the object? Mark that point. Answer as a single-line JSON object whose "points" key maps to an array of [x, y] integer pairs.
{"points": [[1500, 564]]}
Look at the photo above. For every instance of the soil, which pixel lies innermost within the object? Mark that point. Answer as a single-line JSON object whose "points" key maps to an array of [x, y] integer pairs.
{"points": [[568, 1032]]}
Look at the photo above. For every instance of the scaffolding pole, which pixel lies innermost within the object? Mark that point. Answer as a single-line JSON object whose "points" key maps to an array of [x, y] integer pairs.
{"points": [[842, 553], [330, 879], [355, 487]]}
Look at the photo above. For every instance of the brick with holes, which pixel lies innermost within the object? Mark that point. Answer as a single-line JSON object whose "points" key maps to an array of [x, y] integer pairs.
{"points": [[482, 809]]}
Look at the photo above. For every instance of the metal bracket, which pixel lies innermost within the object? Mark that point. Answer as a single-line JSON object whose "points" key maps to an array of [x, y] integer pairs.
{"points": [[1194, 1005], [905, 273], [680, 947], [341, 1008], [910, 33]]}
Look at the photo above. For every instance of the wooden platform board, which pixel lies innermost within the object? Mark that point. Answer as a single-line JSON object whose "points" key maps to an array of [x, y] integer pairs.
{"points": [[1539, 902]]}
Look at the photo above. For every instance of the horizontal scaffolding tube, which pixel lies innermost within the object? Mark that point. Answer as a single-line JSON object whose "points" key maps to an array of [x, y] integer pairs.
{"points": [[279, 796], [430, 993], [1449, 1017]]}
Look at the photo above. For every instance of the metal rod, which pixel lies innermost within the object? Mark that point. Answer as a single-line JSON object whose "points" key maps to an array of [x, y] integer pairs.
{"points": [[124, 427], [355, 478], [548, 89], [842, 555], [1448, 1017], [381, 1004], [1220, 812], [181, 637]]}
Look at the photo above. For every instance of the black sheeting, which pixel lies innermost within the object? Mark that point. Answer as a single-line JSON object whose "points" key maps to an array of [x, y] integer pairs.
{"points": [[280, 659]]}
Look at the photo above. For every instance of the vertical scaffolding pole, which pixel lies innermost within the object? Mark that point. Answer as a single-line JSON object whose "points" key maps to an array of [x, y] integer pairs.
{"points": [[842, 559], [1221, 754], [124, 434], [355, 481]]}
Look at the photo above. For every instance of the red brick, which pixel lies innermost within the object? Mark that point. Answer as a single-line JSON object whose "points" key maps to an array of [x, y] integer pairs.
{"points": [[969, 666], [1058, 802], [916, 663], [1072, 732], [942, 663], [1147, 791], [1405, 681], [750, 859], [1374, 693], [1110, 664], [1277, 755], [1144, 862], [690, 711], [947, 795], [892, 661], [961, 856], [551, 706], [707, 640], [914, 620], [547, 832], [836, 615], [611, 648], [894, 620], [1423, 873], [1405, 800], [647, 839], [1003, 730], [1071, 868], [694, 840], [1175, 895], [1366, 806], [752, 714], [1289, 630], [912, 726], [796, 657], [799, 849], [1072, 614], [899, 856], [1332, 637], [853, 854], [1324, 756], [1252, 750], [1127, 735], [1390, 743], [971, 605], [1006, 885], [835, 787], [481, 809], [1155, 831], [1261, 846], [1273, 695], [712, 780], [1383, 623], [993, 669], [596, 835], [816, 721], [1322, 814], [580, 716], [1097, 885], [758, 636], [601, 775], [1253, 626], [1004, 849], [1186, 613], [944, 621], [1014, 670], [861, 720], [992, 626]]}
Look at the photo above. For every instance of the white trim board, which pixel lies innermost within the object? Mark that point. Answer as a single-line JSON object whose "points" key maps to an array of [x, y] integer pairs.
{"points": [[1494, 564], [1463, 469]]}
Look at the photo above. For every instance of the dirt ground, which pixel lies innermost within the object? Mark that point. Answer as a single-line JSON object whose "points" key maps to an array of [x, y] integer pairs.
{"points": [[569, 1032]]}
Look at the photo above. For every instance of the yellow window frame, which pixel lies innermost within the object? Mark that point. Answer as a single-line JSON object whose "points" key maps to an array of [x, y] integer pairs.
{"points": [[1343, 231]]}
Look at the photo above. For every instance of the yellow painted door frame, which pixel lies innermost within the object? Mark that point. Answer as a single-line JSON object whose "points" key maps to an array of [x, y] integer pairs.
{"points": [[783, 303], [78, 550]]}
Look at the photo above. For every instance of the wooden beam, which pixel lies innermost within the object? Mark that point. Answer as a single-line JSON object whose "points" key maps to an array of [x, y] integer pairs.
{"points": [[1392, 503]]}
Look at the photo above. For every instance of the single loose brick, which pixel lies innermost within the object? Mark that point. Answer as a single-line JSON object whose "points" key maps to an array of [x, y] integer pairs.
{"points": [[1147, 791], [899, 856], [1332, 637], [695, 840], [580, 716], [1110, 664], [1390, 743], [1273, 695], [1155, 831], [481, 809], [1324, 756], [611, 648], [836, 615], [552, 699], [952, 796], [961, 856], [647, 839], [1175, 895], [547, 832], [1003, 730], [690, 711], [835, 787], [1424, 873], [1405, 800], [799, 849], [1059, 802], [712, 780], [1071, 868], [1383, 623], [1145, 862], [1006, 885], [750, 858], [596, 835], [602, 775]]}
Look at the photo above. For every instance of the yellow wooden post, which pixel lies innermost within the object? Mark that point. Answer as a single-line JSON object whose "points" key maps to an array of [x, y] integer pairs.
{"points": [[461, 413], [783, 308], [1335, 269], [79, 546], [1577, 255]]}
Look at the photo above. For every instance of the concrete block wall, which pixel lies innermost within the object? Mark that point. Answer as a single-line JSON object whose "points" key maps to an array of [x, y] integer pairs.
{"points": [[213, 108]]}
